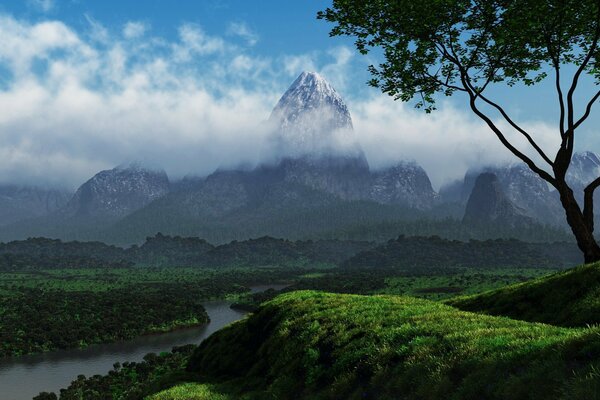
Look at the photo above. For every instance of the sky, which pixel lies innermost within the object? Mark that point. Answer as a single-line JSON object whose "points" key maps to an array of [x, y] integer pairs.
{"points": [[187, 85]]}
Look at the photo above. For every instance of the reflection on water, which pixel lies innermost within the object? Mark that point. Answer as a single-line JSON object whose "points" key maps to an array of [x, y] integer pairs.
{"points": [[21, 378]]}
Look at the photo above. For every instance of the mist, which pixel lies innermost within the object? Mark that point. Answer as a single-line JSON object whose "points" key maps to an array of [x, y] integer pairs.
{"points": [[75, 104]]}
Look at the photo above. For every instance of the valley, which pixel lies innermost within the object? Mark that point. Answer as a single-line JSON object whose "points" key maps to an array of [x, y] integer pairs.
{"points": [[209, 200], [71, 300]]}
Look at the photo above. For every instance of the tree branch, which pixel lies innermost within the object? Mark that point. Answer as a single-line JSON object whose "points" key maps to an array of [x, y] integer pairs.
{"points": [[473, 95], [518, 128], [588, 110], [442, 83], [561, 100], [588, 203], [568, 140], [530, 163]]}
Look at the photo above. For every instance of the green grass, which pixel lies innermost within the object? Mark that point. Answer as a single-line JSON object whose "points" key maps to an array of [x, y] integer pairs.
{"points": [[464, 281], [568, 298], [191, 391], [311, 345], [108, 279]]}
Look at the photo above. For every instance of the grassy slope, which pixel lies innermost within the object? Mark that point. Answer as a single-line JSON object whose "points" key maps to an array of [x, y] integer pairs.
{"points": [[310, 345], [568, 298]]}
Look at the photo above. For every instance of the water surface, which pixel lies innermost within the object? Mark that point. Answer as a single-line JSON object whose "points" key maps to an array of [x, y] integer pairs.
{"points": [[23, 377]]}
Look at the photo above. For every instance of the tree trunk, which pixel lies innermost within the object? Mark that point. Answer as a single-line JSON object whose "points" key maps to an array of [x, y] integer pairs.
{"points": [[581, 229]]}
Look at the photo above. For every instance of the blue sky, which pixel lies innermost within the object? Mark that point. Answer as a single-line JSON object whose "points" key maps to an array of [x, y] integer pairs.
{"points": [[280, 25], [185, 85]]}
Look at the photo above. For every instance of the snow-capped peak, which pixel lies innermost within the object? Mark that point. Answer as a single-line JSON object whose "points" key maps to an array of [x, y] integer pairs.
{"points": [[584, 168], [311, 92], [311, 117]]}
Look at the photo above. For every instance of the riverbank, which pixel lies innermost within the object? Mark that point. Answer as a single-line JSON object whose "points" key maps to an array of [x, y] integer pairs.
{"points": [[22, 378]]}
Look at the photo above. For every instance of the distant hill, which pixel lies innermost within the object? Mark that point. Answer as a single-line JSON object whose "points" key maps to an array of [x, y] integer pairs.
{"points": [[435, 252], [404, 253], [167, 251], [569, 298]]}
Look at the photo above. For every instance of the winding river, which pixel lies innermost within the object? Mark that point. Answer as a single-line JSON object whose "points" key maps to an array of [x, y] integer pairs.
{"points": [[21, 378]]}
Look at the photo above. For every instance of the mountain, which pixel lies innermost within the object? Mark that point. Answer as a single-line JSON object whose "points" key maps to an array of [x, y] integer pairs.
{"points": [[521, 186], [311, 118], [405, 183], [346, 177], [320, 183], [19, 203], [584, 168], [118, 192], [488, 204]]}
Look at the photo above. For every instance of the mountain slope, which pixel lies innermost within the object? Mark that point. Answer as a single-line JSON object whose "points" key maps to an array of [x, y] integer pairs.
{"points": [[117, 192], [488, 204], [312, 118], [19, 203]]}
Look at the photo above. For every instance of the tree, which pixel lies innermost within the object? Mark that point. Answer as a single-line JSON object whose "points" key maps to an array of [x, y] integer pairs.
{"points": [[433, 47]]}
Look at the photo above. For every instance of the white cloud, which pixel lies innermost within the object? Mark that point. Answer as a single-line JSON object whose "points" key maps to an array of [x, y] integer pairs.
{"points": [[41, 5], [446, 142], [98, 32], [195, 42], [77, 103], [295, 64], [242, 30], [134, 29]]}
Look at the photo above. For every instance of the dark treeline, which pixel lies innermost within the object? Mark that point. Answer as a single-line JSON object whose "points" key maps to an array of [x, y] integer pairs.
{"points": [[411, 252], [447, 228], [162, 250], [24, 262], [422, 252]]}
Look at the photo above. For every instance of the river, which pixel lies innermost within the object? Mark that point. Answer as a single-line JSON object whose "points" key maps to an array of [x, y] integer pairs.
{"points": [[23, 377]]}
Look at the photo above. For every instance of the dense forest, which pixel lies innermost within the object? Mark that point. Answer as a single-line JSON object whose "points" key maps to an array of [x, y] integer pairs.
{"points": [[169, 251], [56, 295], [130, 380], [34, 320], [406, 252], [426, 252]]}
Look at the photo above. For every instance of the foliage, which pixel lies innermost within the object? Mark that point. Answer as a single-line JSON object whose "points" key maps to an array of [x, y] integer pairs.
{"points": [[309, 345], [447, 284], [35, 320], [568, 298], [447, 228], [43, 310], [161, 251], [434, 47], [192, 391], [131, 380], [441, 46], [421, 252]]}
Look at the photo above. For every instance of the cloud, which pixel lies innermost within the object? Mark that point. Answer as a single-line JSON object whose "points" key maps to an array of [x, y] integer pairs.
{"points": [[134, 29], [98, 32], [78, 102], [41, 5], [446, 142], [242, 30], [195, 42]]}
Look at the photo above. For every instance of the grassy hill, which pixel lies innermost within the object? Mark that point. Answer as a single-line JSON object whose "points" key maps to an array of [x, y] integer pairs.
{"points": [[568, 298], [312, 345]]}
